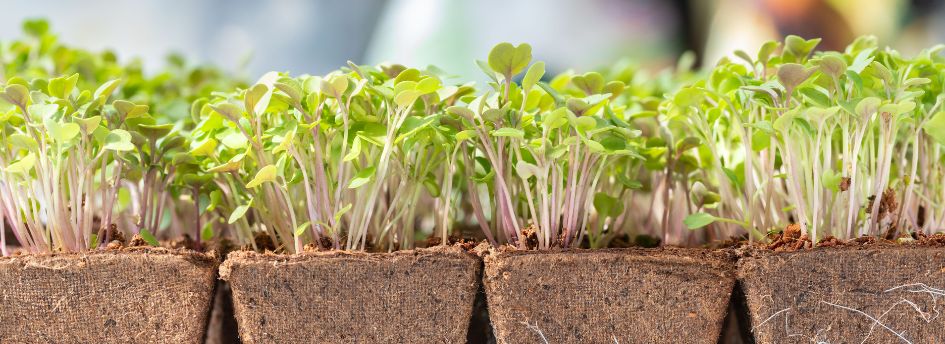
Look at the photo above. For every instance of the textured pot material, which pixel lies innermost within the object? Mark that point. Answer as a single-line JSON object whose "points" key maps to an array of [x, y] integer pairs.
{"points": [[414, 296], [132, 295], [609, 296], [846, 295]]}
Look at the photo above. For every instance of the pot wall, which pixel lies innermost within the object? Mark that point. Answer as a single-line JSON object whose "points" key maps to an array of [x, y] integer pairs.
{"points": [[608, 296], [415, 296], [134, 295]]}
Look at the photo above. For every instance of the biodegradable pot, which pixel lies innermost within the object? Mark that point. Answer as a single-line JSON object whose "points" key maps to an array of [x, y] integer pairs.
{"points": [[414, 296], [609, 295], [132, 295], [846, 295]]}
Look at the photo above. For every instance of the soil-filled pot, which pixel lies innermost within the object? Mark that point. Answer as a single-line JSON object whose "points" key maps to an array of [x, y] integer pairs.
{"points": [[846, 295], [609, 296], [132, 295], [413, 296]]}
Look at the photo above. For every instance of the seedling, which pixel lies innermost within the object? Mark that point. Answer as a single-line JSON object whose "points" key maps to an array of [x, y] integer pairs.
{"points": [[63, 157]]}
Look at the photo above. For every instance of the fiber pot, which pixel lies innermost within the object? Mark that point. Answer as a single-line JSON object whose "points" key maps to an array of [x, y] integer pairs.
{"points": [[413, 296], [132, 295], [846, 295], [609, 296]]}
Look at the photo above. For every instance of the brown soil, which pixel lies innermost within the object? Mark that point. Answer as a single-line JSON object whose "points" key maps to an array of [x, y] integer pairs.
{"points": [[411, 296], [184, 241], [264, 242], [137, 241], [140, 295], [790, 239], [888, 206], [845, 183], [115, 235], [863, 290], [530, 236], [663, 295], [114, 245]]}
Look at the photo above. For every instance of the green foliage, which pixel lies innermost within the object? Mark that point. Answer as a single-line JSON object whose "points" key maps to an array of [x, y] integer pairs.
{"points": [[380, 156]]}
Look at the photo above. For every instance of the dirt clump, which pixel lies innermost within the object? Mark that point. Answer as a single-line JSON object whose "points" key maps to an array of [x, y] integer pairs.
{"points": [[137, 240], [264, 242], [530, 237], [790, 239], [887, 204], [845, 183], [115, 235]]}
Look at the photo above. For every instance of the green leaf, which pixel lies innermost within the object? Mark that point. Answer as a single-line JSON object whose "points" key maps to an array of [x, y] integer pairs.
{"points": [[104, 91], [831, 180], [127, 110], [301, 228], [204, 147], [362, 177], [62, 87], [556, 119], [428, 85], [229, 111], [867, 107], [508, 132], [239, 212], [22, 141], [465, 135], [698, 220], [798, 46], [935, 127], [216, 198], [589, 83], [22, 166], [335, 86], [118, 140], [355, 150], [206, 234], [833, 65], [510, 60], [88, 125], [526, 170], [16, 94], [265, 174], [155, 131], [341, 212], [689, 96], [461, 111], [896, 109], [148, 237], [232, 165], [607, 205], [533, 75], [791, 75], [61, 132], [256, 99], [406, 98], [43, 111]]}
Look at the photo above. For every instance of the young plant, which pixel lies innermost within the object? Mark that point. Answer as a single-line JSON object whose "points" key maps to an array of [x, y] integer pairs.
{"points": [[63, 154], [820, 134], [540, 152]]}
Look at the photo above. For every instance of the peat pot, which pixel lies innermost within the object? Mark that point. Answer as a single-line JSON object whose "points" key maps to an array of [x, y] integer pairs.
{"points": [[886, 294], [636, 295], [132, 295], [413, 296]]}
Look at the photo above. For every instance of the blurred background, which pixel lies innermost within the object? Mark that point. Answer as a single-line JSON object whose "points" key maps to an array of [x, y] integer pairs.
{"points": [[299, 36]]}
